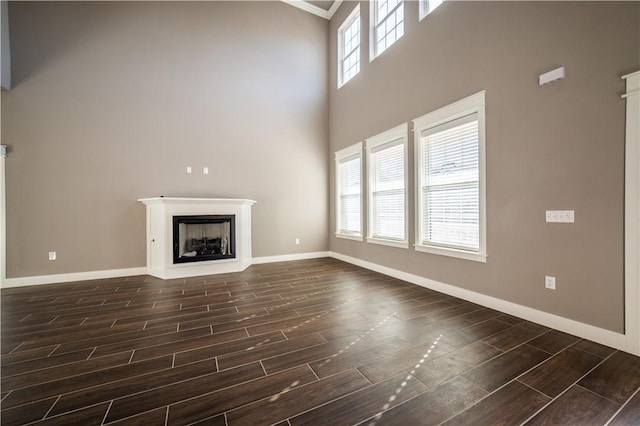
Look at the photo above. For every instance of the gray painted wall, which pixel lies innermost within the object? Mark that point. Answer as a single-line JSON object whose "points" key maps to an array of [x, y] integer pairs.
{"points": [[111, 102], [560, 146], [5, 50]]}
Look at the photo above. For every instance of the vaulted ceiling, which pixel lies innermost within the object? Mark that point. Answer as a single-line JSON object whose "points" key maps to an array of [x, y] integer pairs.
{"points": [[322, 4], [322, 8]]}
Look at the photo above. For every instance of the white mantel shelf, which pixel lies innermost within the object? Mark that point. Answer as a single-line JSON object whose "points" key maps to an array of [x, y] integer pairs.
{"points": [[179, 200], [160, 213]]}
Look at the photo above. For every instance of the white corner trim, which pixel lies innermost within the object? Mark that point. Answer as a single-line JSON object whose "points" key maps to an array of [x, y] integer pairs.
{"points": [[307, 7], [585, 331], [632, 213], [3, 217], [289, 257], [72, 277], [334, 7]]}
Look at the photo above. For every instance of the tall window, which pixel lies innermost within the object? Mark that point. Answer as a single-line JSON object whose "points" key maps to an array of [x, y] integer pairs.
{"points": [[450, 180], [349, 47], [387, 24], [349, 192], [387, 196], [428, 6]]}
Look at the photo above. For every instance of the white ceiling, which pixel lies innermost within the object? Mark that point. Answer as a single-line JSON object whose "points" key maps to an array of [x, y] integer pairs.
{"points": [[322, 8], [322, 4]]}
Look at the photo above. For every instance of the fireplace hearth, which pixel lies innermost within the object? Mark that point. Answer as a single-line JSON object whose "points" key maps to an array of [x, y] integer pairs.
{"points": [[203, 237]]}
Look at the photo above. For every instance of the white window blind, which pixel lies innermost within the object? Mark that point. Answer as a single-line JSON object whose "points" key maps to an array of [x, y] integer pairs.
{"points": [[349, 215], [387, 24], [387, 193], [387, 182], [451, 172], [349, 47]]}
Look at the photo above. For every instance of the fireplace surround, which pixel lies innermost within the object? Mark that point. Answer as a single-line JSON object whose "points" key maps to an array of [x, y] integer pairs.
{"points": [[197, 236]]}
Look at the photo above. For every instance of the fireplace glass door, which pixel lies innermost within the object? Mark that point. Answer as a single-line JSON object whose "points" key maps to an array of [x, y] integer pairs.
{"points": [[203, 238]]}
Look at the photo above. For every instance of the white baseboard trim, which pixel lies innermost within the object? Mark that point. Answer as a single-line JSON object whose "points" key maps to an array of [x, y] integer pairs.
{"points": [[72, 277], [585, 331], [115, 273], [289, 257]]}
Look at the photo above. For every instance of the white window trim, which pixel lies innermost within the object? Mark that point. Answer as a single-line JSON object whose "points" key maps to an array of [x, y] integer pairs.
{"points": [[355, 14], [391, 135], [423, 6], [469, 105], [350, 151], [373, 10]]}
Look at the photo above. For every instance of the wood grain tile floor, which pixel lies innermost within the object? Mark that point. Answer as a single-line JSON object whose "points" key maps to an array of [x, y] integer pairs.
{"points": [[314, 342]]}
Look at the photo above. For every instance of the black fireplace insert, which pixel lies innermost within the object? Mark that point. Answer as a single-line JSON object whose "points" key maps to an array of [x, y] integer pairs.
{"points": [[204, 237]]}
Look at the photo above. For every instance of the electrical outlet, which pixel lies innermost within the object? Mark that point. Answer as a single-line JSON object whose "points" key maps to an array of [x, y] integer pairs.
{"points": [[297, 241], [188, 169], [52, 255], [205, 170], [550, 282], [560, 216]]}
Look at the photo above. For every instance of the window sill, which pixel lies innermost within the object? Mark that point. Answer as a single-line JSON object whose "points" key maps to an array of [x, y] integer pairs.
{"points": [[460, 254], [349, 237], [391, 243]]}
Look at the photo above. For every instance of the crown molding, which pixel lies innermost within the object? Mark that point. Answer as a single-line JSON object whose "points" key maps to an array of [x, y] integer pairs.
{"points": [[336, 4], [315, 10]]}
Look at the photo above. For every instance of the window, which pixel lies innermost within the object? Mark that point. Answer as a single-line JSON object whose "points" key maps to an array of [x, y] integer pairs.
{"points": [[387, 196], [349, 192], [428, 6], [349, 47], [387, 24], [449, 146]]}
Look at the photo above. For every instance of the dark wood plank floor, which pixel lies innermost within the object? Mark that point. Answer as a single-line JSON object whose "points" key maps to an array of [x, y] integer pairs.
{"points": [[315, 342]]}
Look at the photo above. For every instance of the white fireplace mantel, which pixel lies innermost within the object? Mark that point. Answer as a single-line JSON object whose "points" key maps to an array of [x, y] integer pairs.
{"points": [[160, 213]]}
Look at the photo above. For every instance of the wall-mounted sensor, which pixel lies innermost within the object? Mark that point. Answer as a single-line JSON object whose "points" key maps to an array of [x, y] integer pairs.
{"points": [[552, 75]]}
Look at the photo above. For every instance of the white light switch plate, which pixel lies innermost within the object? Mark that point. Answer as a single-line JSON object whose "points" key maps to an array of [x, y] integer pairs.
{"points": [[550, 282], [560, 216]]}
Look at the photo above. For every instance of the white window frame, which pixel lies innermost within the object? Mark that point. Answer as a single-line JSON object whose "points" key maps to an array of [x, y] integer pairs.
{"points": [[391, 137], [375, 23], [428, 6], [474, 104], [342, 54], [349, 153]]}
